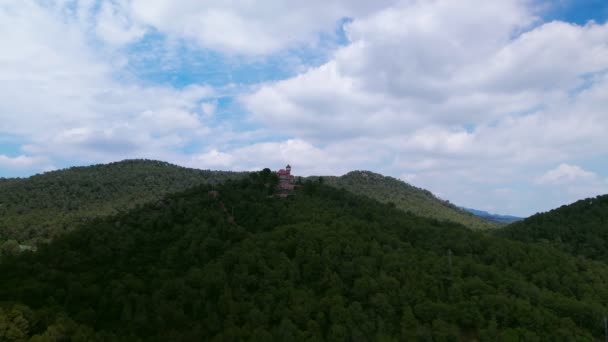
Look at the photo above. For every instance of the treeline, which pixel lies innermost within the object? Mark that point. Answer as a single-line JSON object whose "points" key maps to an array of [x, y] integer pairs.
{"points": [[323, 264], [41, 207]]}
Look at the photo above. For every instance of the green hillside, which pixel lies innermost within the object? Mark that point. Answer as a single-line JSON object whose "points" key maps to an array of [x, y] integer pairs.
{"points": [[40, 207], [405, 197], [580, 228], [323, 264]]}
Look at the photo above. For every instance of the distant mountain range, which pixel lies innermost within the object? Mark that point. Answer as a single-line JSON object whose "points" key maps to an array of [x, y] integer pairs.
{"points": [[500, 219]]}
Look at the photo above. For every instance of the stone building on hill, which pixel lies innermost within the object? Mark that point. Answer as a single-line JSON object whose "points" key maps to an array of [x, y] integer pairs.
{"points": [[286, 181]]}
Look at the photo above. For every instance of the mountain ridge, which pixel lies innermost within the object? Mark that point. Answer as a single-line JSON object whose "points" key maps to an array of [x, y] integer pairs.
{"points": [[40, 207], [404, 196], [580, 228]]}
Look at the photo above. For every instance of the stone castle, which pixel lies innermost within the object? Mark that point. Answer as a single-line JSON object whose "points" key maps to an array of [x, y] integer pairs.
{"points": [[286, 181]]}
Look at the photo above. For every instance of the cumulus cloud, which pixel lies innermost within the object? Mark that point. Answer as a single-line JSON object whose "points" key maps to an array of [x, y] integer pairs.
{"points": [[248, 27], [24, 162], [213, 159], [404, 67], [209, 108], [66, 99], [114, 24], [566, 173], [431, 63], [567, 183]]}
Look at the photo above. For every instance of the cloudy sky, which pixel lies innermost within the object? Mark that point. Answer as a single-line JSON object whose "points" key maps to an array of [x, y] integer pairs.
{"points": [[495, 105]]}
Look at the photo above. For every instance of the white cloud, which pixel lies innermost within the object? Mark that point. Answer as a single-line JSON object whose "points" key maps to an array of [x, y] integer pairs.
{"points": [[565, 174], [114, 24], [567, 183], [248, 27], [24, 162], [66, 99], [431, 63], [408, 177], [212, 160], [209, 108], [168, 120]]}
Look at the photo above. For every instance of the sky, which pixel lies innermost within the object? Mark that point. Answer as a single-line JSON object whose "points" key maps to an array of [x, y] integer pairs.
{"points": [[495, 105]]}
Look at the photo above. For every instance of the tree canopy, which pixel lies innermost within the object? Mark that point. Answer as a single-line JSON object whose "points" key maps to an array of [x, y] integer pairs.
{"points": [[406, 197], [322, 264], [580, 228], [41, 207]]}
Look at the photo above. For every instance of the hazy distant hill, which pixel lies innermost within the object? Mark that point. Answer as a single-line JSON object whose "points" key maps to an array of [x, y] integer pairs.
{"points": [[405, 197], [580, 228], [322, 265], [500, 219], [42, 206]]}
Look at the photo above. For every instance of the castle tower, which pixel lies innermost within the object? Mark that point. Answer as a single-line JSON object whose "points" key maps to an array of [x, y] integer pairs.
{"points": [[286, 181]]}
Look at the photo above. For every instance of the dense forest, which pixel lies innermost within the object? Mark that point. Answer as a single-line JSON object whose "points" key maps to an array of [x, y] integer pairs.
{"points": [[234, 262], [580, 228], [43, 206], [405, 197]]}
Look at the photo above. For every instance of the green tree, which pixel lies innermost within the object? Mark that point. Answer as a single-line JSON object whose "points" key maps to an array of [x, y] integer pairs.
{"points": [[9, 248]]}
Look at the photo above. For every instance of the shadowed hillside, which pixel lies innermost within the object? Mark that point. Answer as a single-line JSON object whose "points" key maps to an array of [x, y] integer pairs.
{"points": [[580, 228]]}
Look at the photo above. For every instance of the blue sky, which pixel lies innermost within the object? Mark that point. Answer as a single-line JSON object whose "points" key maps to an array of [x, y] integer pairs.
{"points": [[579, 12], [498, 106]]}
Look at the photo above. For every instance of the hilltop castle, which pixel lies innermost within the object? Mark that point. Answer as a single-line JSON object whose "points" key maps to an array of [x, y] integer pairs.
{"points": [[286, 181]]}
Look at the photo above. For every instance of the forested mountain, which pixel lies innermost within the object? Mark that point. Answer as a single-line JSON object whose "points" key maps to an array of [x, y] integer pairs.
{"points": [[405, 197], [500, 219], [42, 206], [237, 263], [580, 228]]}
